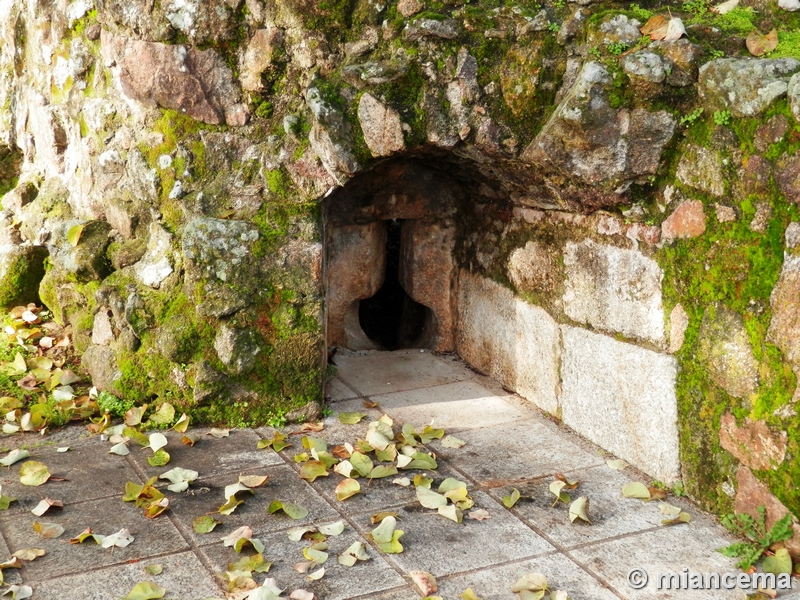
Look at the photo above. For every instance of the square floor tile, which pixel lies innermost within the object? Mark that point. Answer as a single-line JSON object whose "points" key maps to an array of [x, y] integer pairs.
{"points": [[496, 583], [209, 456], [666, 550], [183, 576], [375, 373], [106, 516], [89, 470], [336, 390], [454, 406], [516, 451], [611, 514], [205, 497], [339, 582], [442, 547]]}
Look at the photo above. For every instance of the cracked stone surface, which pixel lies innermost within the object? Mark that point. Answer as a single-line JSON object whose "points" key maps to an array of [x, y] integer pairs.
{"points": [[509, 444]]}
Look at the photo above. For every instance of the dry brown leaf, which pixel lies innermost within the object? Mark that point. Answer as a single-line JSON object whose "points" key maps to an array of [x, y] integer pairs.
{"points": [[368, 404], [303, 567], [340, 452], [656, 494], [380, 516], [479, 514], [758, 44], [656, 27], [425, 582]]}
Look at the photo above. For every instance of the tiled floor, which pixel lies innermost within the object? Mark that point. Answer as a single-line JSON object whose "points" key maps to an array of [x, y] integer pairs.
{"points": [[508, 445]]}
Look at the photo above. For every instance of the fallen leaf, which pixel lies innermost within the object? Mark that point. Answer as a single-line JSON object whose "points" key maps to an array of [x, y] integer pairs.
{"points": [[387, 536], [425, 582], [29, 554], [656, 27], [159, 459], [759, 44], [381, 471], [182, 424], [179, 478], [311, 428], [204, 524], [430, 499], [154, 569], [121, 539], [219, 433], [617, 464], [74, 234], [510, 500], [303, 594], [5, 501], [277, 443], [380, 516], [303, 567], [313, 469], [120, 449], [351, 418], [33, 473], [403, 481], [133, 416], [636, 490], [46, 505], [361, 463], [19, 592], [63, 449], [154, 509], [668, 510], [190, 439], [14, 456], [675, 30], [681, 517], [479, 514], [368, 404], [656, 493], [157, 441], [450, 441], [164, 415], [332, 529], [725, 7], [430, 433], [292, 510], [14, 563], [469, 595], [578, 510], [315, 556], [451, 512], [48, 530], [532, 582], [347, 488], [147, 590], [353, 554]]}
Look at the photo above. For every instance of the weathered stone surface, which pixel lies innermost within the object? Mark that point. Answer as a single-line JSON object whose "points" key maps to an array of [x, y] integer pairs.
{"points": [[534, 268], [678, 323], [751, 494], [614, 289], [725, 214], [373, 73], [446, 29], [238, 349], [258, 56], [219, 264], [427, 273], [724, 348], [701, 168], [784, 328], [156, 264], [202, 21], [761, 219], [103, 330], [755, 175], [196, 82], [688, 220], [356, 267], [87, 261], [515, 342], [615, 392], [20, 196], [745, 86], [408, 8], [645, 66], [21, 271], [616, 29], [383, 131], [794, 95], [684, 58], [787, 176], [101, 364], [753, 444], [331, 137], [792, 235], [589, 141], [770, 132], [519, 78]]}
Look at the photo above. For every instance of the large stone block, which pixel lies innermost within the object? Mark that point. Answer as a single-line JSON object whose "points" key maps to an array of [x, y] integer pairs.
{"points": [[622, 398], [515, 342], [614, 289]]}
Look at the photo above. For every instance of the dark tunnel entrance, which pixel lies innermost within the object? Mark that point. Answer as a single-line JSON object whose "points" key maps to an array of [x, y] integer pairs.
{"points": [[391, 318]]}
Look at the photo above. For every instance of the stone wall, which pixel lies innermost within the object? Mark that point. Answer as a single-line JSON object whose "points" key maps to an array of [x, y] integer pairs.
{"points": [[624, 213]]}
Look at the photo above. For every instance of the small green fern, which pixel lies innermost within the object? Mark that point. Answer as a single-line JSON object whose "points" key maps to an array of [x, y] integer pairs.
{"points": [[755, 530]]}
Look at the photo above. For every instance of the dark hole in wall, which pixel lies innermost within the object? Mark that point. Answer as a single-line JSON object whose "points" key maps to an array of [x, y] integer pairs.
{"points": [[391, 318]]}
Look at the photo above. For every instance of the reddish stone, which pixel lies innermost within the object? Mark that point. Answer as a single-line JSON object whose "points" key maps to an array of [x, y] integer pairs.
{"points": [[755, 175], [753, 443], [787, 176], [687, 221], [770, 132], [649, 234], [751, 493]]}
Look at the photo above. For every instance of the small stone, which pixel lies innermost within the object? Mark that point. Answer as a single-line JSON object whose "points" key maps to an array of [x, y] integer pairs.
{"points": [[617, 29], [755, 175], [408, 8], [678, 323], [102, 331], [725, 214], [645, 66], [383, 131], [258, 56], [101, 364], [770, 132], [447, 29], [686, 221], [793, 235], [784, 327], [753, 444], [238, 349], [237, 115], [787, 176], [761, 219], [790, 5], [793, 92], [724, 349], [701, 168]]}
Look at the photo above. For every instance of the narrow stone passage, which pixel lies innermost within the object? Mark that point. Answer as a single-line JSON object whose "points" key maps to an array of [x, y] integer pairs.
{"points": [[509, 445]]}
